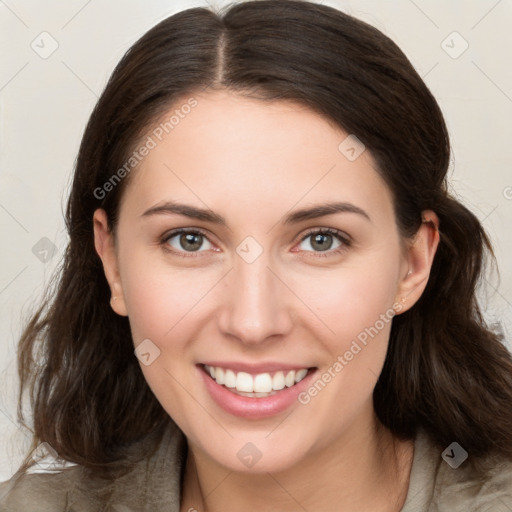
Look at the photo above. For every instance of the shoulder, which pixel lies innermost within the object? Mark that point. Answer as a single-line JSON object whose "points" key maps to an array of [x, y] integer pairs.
{"points": [[152, 483], [450, 479], [42, 492], [483, 487]]}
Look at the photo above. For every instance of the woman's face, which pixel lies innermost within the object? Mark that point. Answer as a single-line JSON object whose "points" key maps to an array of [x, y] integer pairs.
{"points": [[292, 261]]}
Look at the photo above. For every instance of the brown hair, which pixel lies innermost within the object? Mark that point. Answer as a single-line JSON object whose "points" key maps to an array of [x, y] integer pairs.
{"points": [[445, 370]]}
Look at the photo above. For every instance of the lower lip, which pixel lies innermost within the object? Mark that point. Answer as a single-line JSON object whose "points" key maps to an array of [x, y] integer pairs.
{"points": [[254, 408]]}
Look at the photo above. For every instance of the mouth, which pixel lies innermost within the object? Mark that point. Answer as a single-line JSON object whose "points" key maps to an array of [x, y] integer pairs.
{"points": [[250, 393], [259, 385]]}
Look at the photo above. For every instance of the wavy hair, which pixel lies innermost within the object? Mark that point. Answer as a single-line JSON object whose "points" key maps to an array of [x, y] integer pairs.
{"points": [[445, 370]]}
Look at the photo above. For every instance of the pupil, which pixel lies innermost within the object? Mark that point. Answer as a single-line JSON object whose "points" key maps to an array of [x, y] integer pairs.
{"points": [[190, 241], [322, 242]]}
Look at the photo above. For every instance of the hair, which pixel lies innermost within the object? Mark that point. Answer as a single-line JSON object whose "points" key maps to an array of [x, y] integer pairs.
{"points": [[445, 370]]}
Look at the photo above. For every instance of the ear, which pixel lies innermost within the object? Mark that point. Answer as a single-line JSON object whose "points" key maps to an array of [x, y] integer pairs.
{"points": [[420, 252], [104, 243]]}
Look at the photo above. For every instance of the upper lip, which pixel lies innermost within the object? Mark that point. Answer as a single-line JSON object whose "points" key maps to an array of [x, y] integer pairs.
{"points": [[251, 368]]}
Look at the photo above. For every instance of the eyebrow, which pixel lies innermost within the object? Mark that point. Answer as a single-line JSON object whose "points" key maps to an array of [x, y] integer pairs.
{"points": [[170, 208], [204, 214], [322, 210]]}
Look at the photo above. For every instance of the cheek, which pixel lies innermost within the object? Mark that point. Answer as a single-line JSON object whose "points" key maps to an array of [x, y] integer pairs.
{"points": [[161, 301], [351, 299], [355, 308], [166, 306]]}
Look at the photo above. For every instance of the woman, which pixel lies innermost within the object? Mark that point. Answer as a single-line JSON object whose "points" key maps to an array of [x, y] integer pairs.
{"points": [[260, 210]]}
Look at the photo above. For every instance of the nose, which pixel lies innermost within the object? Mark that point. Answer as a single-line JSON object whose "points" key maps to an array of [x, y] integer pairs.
{"points": [[257, 306]]}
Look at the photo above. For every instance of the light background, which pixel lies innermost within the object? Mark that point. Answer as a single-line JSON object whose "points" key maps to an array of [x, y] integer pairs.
{"points": [[45, 103]]}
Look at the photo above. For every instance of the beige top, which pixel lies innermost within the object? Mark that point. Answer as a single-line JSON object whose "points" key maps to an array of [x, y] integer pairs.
{"points": [[154, 485]]}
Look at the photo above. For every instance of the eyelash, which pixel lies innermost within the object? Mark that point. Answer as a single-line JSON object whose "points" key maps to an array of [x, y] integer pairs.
{"points": [[342, 237], [345, 240]]}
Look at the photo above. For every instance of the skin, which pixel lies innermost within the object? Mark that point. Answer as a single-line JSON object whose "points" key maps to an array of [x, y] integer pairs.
{"points": [[254, 162]]}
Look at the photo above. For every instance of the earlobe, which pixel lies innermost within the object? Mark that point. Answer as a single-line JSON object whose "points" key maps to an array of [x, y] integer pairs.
{"points": [[105, 247], [420, 255]]}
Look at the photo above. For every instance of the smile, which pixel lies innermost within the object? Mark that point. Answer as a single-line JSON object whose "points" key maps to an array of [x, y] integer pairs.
{"points": [[254, 391], [259, 385]]}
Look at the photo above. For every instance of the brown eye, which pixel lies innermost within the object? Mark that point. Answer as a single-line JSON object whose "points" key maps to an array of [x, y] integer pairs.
{"points": [[188, 241], [321, 241]]}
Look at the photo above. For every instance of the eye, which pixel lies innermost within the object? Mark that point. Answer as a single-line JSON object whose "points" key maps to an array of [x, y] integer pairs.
{"points": [[187, 241], [191, 241], [324, 240]]}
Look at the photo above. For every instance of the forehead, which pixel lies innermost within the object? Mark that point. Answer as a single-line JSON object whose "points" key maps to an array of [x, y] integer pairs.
{"points": [[258, 153]]}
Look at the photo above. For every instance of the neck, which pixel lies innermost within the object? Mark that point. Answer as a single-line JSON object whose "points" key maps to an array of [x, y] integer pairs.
{"points": [[364, 470]]}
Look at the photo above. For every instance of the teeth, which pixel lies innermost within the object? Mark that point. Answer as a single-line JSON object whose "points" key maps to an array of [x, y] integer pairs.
{"points": [[278, 381], [300, 375], [229, 378], [289, 380], [244, 382], [260, 385], [254, 395], [219, 375]]}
